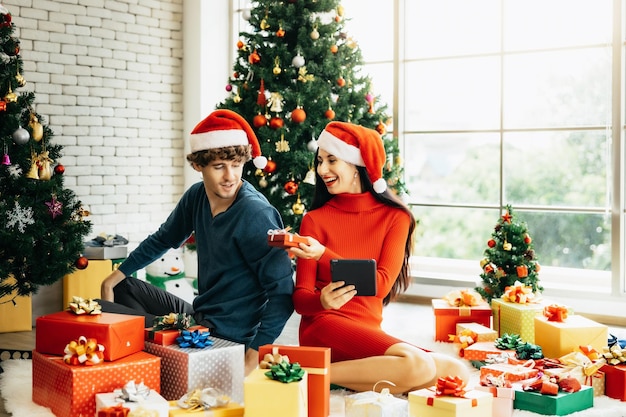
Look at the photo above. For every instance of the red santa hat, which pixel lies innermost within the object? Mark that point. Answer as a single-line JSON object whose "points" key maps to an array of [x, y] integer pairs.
{"points": [[357, 145], [224, 128]]}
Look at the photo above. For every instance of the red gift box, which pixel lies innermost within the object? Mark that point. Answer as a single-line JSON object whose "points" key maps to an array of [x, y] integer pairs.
{"points": [[512, 373], [447, 317], [70, 390], [168, 337], [481, 350], [285, 239], [120, 334], [615, 381], [316, 362]]}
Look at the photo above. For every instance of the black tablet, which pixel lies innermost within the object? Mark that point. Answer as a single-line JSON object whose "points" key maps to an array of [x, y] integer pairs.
{"points": [[358, 272]]}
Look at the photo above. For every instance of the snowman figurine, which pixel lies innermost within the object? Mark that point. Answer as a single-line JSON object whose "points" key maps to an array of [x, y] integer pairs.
{"points": [[168, 273]]}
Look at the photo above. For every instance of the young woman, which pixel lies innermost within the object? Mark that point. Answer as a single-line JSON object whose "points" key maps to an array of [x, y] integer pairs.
{"points": [[354, 216]]}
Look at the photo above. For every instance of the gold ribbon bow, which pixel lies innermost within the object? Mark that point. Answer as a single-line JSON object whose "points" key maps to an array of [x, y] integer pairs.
{"points": [[83, 352], [518, 293], [80, 305], [203, 399], [464, 298]]}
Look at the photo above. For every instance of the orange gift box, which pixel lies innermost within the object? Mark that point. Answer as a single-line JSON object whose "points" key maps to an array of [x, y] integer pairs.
{"points": [[447, 317], [615, 381], [480, 350], [285, 240], [316, 362], [512, 373], [120, 334], [168, 337], [70, 391]]}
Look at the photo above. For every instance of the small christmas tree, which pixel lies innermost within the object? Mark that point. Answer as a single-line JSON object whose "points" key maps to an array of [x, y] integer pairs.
{"points": [[509, 257], [42, 227], [296, 71]]}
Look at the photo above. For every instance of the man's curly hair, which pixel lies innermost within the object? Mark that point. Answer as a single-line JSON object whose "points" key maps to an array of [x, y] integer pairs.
{"points": [[203, 158]]}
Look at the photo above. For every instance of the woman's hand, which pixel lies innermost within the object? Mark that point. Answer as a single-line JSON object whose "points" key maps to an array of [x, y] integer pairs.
{"points": [[313, 250], [335, 295]]}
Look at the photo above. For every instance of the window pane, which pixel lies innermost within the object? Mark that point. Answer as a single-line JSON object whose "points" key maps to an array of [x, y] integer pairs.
{"points": [[382, 83], [455, 233], [451, 27], [452, 94], [370, 24], [557, 168], [532, 24], [571, 240], [564, 88], [453, 168]]}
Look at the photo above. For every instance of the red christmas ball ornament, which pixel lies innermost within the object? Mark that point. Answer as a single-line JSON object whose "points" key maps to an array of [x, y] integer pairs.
{"points": [[276, 123], [59, 169], [298, 115], [82, 262], [381, 129], [341, 81], [334, 49], [229, 87], [329, 114], [491, 243], [240, 45], [280, 33], [259, 121], [270, 167], [291, 187], [254, 57], [527, 239]]}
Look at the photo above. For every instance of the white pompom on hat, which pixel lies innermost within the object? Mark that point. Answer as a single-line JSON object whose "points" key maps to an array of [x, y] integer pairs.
{"points": [[357, 145], [224, 128]]}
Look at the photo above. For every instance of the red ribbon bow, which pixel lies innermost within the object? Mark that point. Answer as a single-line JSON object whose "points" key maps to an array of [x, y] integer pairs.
{"points": [[450, 385], [555, 312]]}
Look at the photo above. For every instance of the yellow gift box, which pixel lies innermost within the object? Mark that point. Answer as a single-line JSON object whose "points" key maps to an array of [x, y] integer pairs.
{"points": [[264, 397], [86, 282], [560, 338], [425, 403], [483, 333], [516, 318], [16, 312], [231, 409]]}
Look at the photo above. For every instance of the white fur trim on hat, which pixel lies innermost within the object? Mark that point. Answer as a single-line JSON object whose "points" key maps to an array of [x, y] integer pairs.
{"points": [[380, 185], [335, 146], [217, 139]]}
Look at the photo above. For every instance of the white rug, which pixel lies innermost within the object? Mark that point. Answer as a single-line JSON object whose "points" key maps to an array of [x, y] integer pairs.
{"points": [[16, 389]]}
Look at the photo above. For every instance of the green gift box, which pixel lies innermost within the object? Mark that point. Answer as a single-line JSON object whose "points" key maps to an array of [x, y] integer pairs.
{"points": [[561, 404]]}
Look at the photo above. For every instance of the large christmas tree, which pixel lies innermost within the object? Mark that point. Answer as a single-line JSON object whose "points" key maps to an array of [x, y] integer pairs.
{"points": [[509, 257], [296, 71], [42, 226]]}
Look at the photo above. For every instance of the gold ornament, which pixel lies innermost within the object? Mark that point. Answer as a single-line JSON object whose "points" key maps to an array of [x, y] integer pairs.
{"points": [[263, 182], [35, 127], [340, 10], [237, 98], [309, 178], [298, 207], [45, 166], [282, 145], [315, 35], [275, 102], [34, 169], [11, 97], [303, 76], [264, 25], [276, 70], [20, 80], [507, 246]]}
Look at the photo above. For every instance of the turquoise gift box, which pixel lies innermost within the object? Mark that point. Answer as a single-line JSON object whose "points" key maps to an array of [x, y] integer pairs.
{"points": [[561, 404]]}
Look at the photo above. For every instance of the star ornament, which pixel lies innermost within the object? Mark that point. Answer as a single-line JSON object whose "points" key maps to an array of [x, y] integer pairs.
{"points": [[507, 217], [55, 207]]}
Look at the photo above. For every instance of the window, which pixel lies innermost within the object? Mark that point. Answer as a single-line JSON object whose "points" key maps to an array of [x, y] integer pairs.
{"points": [[507, 102]]}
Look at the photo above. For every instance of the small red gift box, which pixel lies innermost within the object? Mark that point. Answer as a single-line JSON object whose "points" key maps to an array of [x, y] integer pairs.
{"points": [[615, 381], [447, 317], [70, 390], [512, 373], [481, 350], [284, 239], [316, 362], [120, 334], [168, 337]]}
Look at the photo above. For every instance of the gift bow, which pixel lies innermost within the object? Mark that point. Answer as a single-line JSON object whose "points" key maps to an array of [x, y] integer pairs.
{"points": [[464, 298], [174, 321], [203, 399], [195, 339], [133, 392], [614, 354], [285, 372], [83, 351], [518, 293], [450, 385], [497, 381], [579, 360], [117, 410], [79, 305], [555, 312], [465, 338], [284, 231], [382, 397]]}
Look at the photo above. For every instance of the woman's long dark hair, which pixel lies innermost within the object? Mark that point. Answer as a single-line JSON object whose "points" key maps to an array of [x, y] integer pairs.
{"points": [[321, 196]]}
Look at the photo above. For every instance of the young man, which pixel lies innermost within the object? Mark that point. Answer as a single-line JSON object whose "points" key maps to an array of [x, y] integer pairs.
{"points": [[244, 285]]}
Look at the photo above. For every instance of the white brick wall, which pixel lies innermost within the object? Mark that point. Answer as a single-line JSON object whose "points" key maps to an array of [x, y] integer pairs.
{"points": [[107, 78]]}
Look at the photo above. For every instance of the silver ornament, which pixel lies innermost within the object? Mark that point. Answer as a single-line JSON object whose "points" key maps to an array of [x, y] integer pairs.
{"points": [[20, 136]]}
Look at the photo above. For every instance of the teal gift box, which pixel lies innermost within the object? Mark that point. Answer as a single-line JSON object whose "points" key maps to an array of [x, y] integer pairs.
{"points": [[561, 404]]}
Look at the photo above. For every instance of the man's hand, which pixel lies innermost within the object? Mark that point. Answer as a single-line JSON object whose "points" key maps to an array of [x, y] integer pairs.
{"points": [[106, 288]]}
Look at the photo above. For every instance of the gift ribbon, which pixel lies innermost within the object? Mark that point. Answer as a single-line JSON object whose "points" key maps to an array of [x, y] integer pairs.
{"points": [[194, 339], [464, 298], [518, 293], [173, 321], [382, 397], [555, 312], [114, 411], [206, 398], [449, 386], [83, 352], [79, 306], [143, 412], [285, 372], [133, 392], [275, 358], [614, 355]]}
